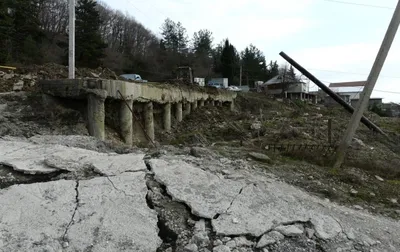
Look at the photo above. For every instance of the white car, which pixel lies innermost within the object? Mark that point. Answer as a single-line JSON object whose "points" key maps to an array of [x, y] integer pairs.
{"points": [[234, 88], [133, 77]]}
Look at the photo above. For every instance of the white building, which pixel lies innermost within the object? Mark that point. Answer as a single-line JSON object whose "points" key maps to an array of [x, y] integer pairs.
{"points": [[346, 90], [288, 87]]}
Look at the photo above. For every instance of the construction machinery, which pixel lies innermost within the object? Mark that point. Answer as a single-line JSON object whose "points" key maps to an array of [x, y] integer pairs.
{"points": [[184, 74]]}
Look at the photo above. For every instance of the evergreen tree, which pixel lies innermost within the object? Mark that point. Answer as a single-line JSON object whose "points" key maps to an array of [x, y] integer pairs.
{"points": [[169, 33], [89, 44], [202, 42], [202, 52], [273, 70], [26, 35], [182, 38], [254, 66], [174, 36], [6, 31], [229, 62]]}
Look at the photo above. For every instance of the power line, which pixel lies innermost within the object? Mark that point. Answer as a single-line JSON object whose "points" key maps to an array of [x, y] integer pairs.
{"points": [[360, 4], [383, 91], [342, 72]]}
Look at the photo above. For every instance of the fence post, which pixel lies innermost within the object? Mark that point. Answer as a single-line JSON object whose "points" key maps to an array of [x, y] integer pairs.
{"points": [[330, 132]]}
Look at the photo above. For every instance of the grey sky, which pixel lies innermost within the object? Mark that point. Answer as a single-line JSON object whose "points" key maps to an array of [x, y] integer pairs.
{"points": [[341, 39]]}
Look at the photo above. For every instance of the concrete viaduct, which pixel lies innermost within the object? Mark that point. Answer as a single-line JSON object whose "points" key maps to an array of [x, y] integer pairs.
{"points": [[141, 97]]}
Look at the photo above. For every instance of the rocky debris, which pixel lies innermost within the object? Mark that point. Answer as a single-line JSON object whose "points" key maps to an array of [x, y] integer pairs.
{"points": [[289, 132], [221, 248], [310, 232], [231, 244], [18, 86], [27, 77], [255, 126], [264, 204], [33, 158], [243, 242], [191, 248], [358, 144], [201, 152], [260, 157], [353, 192], [358, 207], [290, 230], [174, 218], [266, 240], [73, 216]]}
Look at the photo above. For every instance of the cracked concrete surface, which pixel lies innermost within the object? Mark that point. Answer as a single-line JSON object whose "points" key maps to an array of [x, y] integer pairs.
{"points": [[114, 217], [206, 204], [89, 215], [268, 203], [128, 208], [31, 158]]}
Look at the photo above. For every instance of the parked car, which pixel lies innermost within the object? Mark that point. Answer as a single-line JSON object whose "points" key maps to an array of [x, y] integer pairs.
{"points": [[234, 88], [133, 77], [216, 85]]}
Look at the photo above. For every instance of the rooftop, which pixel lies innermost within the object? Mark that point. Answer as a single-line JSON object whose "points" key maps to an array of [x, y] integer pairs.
{"points": [[348, 84]]}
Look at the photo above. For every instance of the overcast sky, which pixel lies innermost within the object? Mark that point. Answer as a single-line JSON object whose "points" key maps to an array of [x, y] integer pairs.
{"points": [[335, 41]]}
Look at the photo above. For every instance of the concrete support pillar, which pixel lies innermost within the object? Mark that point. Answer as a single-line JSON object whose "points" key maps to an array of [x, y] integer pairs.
{"points": [[96, 113], [232, 105], [194, 105], [149, 120], [178, 111], [188, 108], [125, 121], [201, 103], [167, 117]]}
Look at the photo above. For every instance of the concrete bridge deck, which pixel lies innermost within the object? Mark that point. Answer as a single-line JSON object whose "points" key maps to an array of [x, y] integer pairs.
{"points": [[181, 99]]}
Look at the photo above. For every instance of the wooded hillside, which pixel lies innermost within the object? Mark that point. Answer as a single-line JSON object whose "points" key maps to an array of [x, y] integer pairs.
{"points": [[36, 32]]}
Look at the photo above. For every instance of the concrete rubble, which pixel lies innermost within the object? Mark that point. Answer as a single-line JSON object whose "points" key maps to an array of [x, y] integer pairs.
{"points": [[166, 202]]}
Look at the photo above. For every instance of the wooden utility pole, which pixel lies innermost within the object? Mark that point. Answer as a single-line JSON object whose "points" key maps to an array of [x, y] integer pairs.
{"points": [[369, 86], [71, 49]]}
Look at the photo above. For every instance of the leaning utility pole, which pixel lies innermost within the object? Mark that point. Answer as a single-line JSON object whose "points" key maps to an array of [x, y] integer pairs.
{"points": [[71, 49], [369, 86]]}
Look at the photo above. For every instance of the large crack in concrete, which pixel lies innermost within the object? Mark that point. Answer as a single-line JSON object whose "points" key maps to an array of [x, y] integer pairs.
{"points": [[173, 216], [10, 177], [72, 221]]}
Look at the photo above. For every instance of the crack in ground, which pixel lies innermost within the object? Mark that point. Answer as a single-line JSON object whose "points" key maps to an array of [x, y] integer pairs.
{"points": [[116, 188], [10, 177], [173, 216], [73, 215], [233, 200]]}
